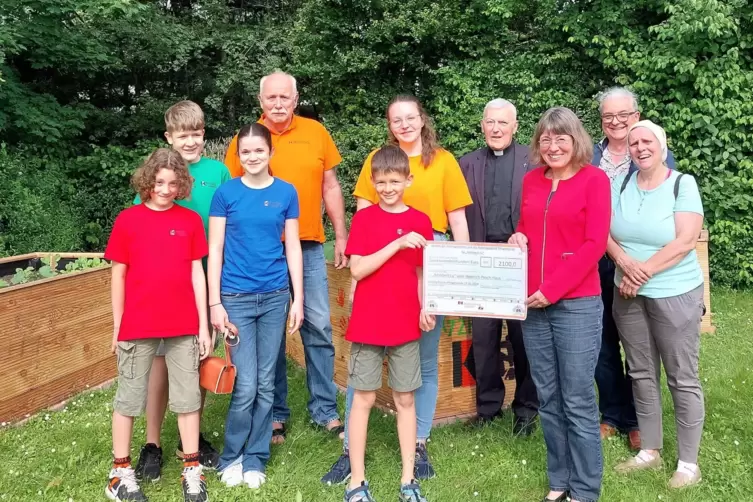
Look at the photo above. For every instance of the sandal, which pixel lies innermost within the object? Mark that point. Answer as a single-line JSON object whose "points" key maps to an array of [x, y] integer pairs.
{"points": [[282, 432], [335, 431]]}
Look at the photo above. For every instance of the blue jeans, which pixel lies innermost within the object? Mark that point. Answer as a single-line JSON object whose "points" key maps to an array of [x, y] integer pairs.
{"points": [[615, 386], [425, 396], [562, 342], [260, 319], [316, 335]]}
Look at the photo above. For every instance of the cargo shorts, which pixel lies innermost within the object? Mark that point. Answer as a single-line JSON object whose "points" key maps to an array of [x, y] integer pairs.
{"points": [[403, 367], [135, 362]]}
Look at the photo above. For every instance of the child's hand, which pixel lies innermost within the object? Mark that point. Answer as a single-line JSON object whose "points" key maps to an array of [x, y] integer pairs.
{"points": [[412, 240], [219, 318], [114, 344], [205, 344], [427, 322], [295, 318]]}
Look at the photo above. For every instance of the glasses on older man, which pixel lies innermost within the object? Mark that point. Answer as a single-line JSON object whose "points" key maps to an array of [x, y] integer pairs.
{"points": [[621, 117]]}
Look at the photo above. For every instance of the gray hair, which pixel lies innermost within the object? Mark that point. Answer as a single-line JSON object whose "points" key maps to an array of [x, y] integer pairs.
{"points": [[617, 92], [501, 103], [278, 72]]}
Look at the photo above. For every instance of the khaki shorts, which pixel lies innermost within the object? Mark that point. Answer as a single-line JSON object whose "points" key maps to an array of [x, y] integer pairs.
{"points": [[403, 364], [135, 362]]}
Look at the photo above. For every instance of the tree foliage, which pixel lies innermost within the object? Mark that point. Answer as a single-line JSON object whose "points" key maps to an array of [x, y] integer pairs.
{"points": [[84, 85]]}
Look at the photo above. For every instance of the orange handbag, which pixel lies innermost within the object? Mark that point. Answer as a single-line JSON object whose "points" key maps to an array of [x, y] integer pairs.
{"points": [[217, 374]]}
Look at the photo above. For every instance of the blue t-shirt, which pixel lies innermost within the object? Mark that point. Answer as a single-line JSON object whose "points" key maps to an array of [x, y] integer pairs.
{"points": [[254, 261], [643, 222]]}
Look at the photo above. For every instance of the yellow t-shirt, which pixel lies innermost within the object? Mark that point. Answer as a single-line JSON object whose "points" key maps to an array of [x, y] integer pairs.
{"points": [[301, 155], [436, 190]]}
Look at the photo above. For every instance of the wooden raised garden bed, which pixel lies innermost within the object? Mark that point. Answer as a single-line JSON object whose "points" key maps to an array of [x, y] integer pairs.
{"points": [[55, 332]]}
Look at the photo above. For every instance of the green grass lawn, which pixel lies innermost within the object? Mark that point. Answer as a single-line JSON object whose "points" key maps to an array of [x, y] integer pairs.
{"points": [[65, 455]]}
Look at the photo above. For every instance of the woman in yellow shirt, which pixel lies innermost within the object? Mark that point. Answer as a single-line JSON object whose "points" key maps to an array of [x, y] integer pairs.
{"points": [[438, 190]]}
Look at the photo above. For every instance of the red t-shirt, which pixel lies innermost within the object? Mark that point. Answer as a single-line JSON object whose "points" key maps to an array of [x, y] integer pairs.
{"points": [[158, 247], [386, 307]]}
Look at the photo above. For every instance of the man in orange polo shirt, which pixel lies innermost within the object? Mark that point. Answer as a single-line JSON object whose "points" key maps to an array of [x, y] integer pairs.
{"points": [[305, 156]]}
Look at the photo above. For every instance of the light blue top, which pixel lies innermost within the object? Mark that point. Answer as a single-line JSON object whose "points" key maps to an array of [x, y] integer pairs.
{"points": [[643, 222], [254, 261]]}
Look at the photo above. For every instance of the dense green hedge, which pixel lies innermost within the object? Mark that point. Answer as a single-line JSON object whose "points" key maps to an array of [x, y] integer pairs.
{"points": [[78, 115]]}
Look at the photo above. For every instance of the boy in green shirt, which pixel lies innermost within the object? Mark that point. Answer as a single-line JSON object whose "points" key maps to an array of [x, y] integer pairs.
{"points": [[184, 131]]}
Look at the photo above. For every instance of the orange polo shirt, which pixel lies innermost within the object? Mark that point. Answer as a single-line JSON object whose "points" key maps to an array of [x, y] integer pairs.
{"points": [[436, 190], [302, 153]]}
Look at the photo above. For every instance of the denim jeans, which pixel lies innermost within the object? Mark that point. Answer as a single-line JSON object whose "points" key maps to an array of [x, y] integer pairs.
{"points": [[425, 396], [615, 387], [316, 335], [562, 342], [260, 319]]}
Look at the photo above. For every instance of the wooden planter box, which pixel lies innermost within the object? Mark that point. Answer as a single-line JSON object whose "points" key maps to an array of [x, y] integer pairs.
{"points": [[457, 389], [55, 334]]}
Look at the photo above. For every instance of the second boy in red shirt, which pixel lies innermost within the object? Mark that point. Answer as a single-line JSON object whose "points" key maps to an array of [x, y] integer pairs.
{"points": [[385, 248]]}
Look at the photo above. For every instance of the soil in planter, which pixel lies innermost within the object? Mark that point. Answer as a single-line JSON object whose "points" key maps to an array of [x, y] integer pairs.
{"points": [[34, 269]]}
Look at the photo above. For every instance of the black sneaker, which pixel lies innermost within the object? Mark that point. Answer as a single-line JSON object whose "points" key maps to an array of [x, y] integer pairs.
{"points": [[149, 466], [123, 486], [423, 469], [194, 485], [524, 426], [339, 473], [209, 457]]}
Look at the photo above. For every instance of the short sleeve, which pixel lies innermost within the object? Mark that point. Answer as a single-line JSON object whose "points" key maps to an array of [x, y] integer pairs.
{"points": [[332, 156], [218, 207], [199, 247], [364, 187], [427, 232], [224, 175], [293, 211], [232, 161], [455, 189], [358, 237], [117, 245], [688, 198]]}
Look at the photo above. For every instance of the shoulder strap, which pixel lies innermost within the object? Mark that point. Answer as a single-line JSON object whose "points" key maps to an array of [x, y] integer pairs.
{"points": [[625, 182], [677, 184]]}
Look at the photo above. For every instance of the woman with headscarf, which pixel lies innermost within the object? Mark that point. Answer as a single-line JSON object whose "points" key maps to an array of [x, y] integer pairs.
{"points": [[657, 217]]}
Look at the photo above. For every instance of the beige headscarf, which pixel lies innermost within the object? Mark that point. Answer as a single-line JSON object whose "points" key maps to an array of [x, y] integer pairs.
{"points": [[658, 131]]}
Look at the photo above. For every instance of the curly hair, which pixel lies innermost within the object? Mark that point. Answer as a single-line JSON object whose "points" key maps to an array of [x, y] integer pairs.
{"points": [[429, 140], [145, 177]]}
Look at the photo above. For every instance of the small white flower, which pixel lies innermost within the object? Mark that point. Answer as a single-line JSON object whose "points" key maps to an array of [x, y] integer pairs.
{"points": [[515, 476], [70, 499], [523, 462], [46, 417], [88, 424], [39, 493], [473, 453], [62, 422], [290, 453], [74, 443], [737, 443], [216, 434], [481, 455], [283, 462], [475, 494], [53, 450], [476, 447], [452, 445], [705, 379]]}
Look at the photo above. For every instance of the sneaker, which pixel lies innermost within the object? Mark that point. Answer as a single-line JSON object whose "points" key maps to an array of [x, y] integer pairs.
{"points": [[233, 475], [149, 466], [423, 468], [411, 493], [194, 485], [254, 479], [123, 486], [359, 494], [339, 473], [209, 457]]}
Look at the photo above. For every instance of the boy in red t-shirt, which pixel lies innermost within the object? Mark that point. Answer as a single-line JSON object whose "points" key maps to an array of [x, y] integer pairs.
{"points": [[386, 258], [158, 294]]}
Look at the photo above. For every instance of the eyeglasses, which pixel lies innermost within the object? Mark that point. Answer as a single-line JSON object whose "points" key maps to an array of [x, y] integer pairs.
{"points": [[546, 142], [622, 117], [410, 120]]}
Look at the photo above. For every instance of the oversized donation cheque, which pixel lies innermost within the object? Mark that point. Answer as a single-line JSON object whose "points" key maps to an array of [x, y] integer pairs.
{"points": [[467, 279]]}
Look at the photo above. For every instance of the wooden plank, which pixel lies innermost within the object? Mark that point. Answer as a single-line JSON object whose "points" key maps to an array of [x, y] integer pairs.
{"points": [[56, 333]]}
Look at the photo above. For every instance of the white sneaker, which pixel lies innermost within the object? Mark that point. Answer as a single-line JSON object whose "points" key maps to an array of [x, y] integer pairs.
{"points": [[254, 479], [233, 475]]}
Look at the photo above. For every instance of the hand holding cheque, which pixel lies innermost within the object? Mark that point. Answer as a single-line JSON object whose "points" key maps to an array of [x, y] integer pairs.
{"points": [[536, 300], [475, 280]]}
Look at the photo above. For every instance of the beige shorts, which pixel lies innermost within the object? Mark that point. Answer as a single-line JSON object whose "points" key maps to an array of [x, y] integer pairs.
{"points": [[135, 362], [403, 366]]}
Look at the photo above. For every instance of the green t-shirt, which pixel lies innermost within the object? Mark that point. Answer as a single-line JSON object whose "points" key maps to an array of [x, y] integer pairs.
{"points": [[208, 175], [643, 222]]}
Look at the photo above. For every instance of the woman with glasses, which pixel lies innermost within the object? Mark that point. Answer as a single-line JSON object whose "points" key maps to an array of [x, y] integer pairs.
{"points": [[438, 189], [564, 225]]}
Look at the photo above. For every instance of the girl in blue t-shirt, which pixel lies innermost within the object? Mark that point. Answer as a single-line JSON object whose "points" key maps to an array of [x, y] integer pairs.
{"points": [[249, 287]]}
